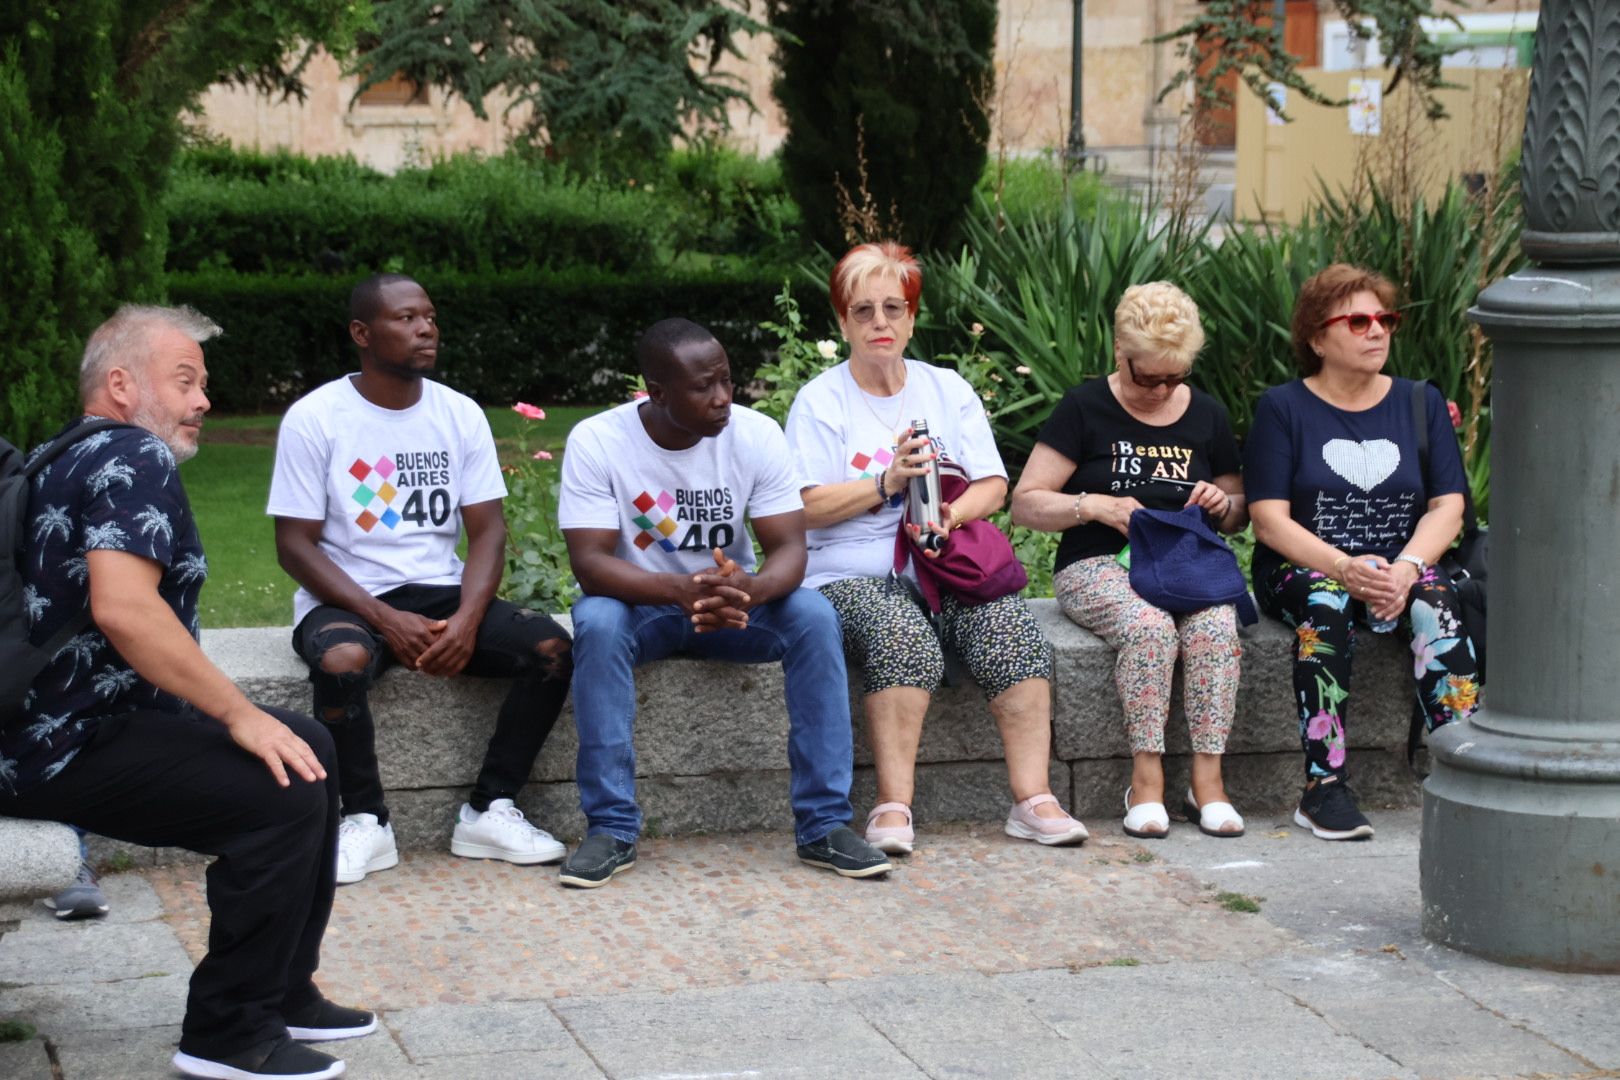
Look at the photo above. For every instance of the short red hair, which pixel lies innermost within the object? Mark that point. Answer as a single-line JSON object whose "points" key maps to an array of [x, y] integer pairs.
{"points": [[864, 261]]}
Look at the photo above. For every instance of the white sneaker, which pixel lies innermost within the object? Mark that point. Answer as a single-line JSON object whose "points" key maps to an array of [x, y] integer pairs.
{"points": [[363, 847], [502, 833]]}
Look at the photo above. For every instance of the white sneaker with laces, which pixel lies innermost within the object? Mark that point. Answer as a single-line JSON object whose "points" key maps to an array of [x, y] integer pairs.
{"points": [[501, 832], [364, 846]]}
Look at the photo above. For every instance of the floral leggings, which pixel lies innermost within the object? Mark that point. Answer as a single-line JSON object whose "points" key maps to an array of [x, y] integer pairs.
{"points": [[1323, 619], [1096, 593]]}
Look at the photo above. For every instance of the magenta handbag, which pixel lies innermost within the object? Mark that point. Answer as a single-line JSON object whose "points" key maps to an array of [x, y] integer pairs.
{"points": [[977, 564]]}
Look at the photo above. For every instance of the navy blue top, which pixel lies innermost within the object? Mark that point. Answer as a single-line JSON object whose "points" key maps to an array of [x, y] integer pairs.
{"points": [[1352, 478], [117, 490]]}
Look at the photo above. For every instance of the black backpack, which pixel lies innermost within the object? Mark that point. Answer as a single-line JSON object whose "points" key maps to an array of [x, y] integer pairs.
{"points": [[20, 660]]}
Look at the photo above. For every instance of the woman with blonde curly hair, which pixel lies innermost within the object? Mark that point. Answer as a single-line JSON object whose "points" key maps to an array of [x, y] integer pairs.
{"points": [[1141, 437]]}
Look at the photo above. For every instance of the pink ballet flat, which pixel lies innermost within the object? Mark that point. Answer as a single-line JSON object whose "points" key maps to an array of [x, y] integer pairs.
{"points": [[1024, 824], [890, 839]]}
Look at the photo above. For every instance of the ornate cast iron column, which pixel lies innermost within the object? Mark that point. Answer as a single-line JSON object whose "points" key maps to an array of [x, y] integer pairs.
{"points": [[1521, 816]]}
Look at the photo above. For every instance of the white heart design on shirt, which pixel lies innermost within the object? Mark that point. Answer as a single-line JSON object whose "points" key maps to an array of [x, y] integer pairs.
{"points": [[1365, 464]]}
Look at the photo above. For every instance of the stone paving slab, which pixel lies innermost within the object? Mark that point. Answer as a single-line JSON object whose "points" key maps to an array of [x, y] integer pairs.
{"points": [[1214, 1020], [780, 1029], [722, 956]]}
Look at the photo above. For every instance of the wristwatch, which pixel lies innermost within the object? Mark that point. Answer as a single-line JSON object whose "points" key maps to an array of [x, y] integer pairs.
{"points": [[1415, 560]]}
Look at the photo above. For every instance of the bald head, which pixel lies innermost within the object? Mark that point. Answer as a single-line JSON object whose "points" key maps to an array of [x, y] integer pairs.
{"points": [[661, 348]]}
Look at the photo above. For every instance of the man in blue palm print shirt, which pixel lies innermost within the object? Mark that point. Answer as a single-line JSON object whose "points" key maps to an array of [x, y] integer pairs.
{"points": [[132, 733]]}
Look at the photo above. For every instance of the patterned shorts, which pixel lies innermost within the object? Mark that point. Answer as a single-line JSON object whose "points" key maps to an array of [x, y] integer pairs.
{"points": [[887, 633]]}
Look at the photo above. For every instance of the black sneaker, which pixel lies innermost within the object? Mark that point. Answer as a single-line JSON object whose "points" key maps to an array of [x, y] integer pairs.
{"points": [[1328, 809], [279, 1057], [842, 852], [326, 1022], [595, 861]]}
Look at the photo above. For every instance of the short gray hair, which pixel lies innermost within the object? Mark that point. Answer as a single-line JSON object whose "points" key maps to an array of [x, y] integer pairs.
{"points": [[121, 340]]}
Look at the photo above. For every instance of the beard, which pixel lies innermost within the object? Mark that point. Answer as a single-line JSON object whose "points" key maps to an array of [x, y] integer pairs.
{"points": [[146, 415]]}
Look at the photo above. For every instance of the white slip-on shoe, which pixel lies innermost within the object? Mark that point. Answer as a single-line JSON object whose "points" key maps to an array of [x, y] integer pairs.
{"points": [[1146, 821]]}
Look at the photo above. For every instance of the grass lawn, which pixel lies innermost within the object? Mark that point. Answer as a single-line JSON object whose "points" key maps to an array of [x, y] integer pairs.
{"points": [[229, 485]]}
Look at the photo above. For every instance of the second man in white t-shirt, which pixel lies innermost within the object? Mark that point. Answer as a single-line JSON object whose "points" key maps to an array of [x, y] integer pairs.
{"points": [[654, 498]]}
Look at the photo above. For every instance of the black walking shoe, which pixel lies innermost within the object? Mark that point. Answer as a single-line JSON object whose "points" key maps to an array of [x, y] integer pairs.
{"points": [[279, 1057], [595, 861], [326, 1022], [1328, 809], [842, 852]]}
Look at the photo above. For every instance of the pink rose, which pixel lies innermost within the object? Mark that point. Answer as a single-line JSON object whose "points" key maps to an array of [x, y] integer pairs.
{"points": [[1335, 754], [1456, 414], [530, 412], [542, 455]]}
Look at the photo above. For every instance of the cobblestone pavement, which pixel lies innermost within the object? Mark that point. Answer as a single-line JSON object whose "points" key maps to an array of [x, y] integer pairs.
{"points": [[724, 957]]}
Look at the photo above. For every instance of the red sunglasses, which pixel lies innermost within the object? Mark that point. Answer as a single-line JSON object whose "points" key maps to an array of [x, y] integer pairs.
{"points": [[1360, 322]]}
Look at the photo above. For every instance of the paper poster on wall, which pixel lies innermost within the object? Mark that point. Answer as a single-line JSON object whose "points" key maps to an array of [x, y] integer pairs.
{"points": [[1278, 99], [1366, 107]]}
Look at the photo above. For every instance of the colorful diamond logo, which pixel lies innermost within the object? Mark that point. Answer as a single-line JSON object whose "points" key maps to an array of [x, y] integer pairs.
{"points": [[359, 470], [367, 521], [644, 502], [363, 495], [389, 518]]}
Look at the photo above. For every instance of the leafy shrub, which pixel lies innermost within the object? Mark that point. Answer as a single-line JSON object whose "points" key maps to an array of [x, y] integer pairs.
{"points": [[221, 161], [259, 214], [728, 203], [533, 335], [538, 575]]}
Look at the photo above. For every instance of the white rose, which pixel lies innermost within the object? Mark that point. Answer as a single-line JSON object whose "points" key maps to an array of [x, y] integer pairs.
{"points": [[828, 349]]}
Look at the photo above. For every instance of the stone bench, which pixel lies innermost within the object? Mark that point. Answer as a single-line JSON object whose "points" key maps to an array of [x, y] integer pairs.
{"points": [[711, 738], [40, 858]]}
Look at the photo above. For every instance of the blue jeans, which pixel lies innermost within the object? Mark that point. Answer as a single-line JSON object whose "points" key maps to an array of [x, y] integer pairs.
{"points": [[801, 630]]}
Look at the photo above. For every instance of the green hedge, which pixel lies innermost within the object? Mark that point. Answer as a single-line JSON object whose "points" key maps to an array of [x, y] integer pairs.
{"points": [[466, 214], [529, 335]]}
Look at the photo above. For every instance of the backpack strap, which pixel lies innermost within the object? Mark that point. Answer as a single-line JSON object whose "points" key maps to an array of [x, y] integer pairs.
{"points": [[53, 450]]}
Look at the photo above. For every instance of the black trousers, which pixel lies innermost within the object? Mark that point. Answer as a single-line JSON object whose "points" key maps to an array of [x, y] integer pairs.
{"points": [[171, 780], [506, 648]]}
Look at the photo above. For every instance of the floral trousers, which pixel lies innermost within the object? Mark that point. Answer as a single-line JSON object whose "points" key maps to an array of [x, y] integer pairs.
{"points": [[1323, 618], [1096, 593]]}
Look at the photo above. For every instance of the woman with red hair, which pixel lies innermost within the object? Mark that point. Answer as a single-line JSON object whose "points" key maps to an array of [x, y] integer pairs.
{"points": [[851, 432]]}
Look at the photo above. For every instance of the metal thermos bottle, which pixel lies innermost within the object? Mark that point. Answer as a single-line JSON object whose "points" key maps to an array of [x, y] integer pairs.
{"points": [[922, 497]]}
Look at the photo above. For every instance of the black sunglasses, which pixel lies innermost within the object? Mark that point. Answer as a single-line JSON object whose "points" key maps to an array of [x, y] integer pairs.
{"points": [[1153, 382]]}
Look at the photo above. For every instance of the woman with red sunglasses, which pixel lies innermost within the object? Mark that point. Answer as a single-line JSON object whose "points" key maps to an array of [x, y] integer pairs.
{"points": [[1140, 437], [1347, 526]]}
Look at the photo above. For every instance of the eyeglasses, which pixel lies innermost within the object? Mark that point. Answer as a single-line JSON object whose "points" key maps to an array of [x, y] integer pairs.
{"points": [[1153, 382], [893, 311], [1360, 322]]}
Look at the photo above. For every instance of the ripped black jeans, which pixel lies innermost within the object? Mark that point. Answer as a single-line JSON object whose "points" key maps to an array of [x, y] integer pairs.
{"points": [[510, 645]]}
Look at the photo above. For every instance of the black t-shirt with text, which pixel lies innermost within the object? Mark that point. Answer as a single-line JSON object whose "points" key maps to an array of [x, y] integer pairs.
{"points": [[1116, 454]]}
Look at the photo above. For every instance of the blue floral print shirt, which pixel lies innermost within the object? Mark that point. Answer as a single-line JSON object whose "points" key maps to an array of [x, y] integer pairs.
{"points": [[117, 490]]}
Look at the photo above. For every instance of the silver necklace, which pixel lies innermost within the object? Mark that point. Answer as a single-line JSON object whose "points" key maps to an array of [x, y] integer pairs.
{"points": [[867, 398]]}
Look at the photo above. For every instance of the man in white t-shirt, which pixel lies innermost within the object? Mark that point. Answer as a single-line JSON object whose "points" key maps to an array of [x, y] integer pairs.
{"points": [[375, 476], [654, 497]]}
